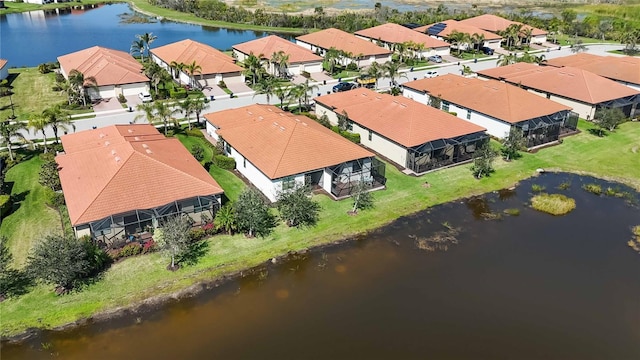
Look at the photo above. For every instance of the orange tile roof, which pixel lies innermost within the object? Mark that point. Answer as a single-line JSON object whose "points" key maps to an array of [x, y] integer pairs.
{"points": [[499, 100], [453, 25], [402, 120], [503, 72], [280, 143], [495, 23], [624, 68], [187, 51], [107, 66], [268, 45], [334, 38], [396, 34], [109, 171], [3, 62], [568, 82]]}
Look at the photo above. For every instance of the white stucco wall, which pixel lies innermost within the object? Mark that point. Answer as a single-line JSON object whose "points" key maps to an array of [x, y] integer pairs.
{"points": [[494, 44], [4, 72], [381, 145], [418, 96], [539, 39], [585, 111], [132, 89], [494, 127], [268, 187], [323, 110], [305, 45]]}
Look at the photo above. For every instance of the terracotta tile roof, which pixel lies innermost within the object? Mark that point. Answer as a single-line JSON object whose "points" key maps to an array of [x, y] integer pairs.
{"points": [[280, 143], [402, 120], [3, 62], [107, 66], [187, 51], [268, 45], [495, 23], [113, 172], [625, 68], [517, 69], [334, 38], [497, 99], [395, 34], [568, 82], [459, 27]]}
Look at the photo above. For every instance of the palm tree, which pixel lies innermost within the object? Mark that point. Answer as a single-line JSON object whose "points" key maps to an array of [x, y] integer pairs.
{"points": [[297, 92], [331, 57], [10, 131], [266, 87], [281, 92], [307, 90], [192, 69], [58, 119], [457, 38], [527, 33], [506, 59], [225, 218], [68, 89], [392, 70], [187, 108], [81, 83], [137, 47], [198, 106], [254, 68], [280, 62], [478, 41], [39, 123], [177, 68], [147, 39], [376, 71], [147, 112], [163, 113]]}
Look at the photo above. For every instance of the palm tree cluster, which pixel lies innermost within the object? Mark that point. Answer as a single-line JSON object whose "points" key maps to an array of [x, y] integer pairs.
{"points": [[301, 93], [141, 45], [280, 63], [76, 87], [157, 112], [516, 35], [465, 41], [254, 68], [512, 58]]}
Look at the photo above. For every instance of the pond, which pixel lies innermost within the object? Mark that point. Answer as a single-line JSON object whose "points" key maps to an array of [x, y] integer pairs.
{"points": [[531, 286], [32, 38]]}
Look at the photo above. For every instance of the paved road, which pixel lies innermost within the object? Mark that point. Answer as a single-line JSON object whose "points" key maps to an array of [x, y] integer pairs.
{"points": [[124, 117]]}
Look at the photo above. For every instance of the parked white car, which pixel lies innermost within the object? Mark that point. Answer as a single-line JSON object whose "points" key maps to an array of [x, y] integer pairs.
{"points": [[430, 74], [145, 97]]}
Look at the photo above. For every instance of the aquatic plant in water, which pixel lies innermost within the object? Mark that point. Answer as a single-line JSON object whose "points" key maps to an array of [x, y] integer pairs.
{"points": [[593, 188], [554, 204]]}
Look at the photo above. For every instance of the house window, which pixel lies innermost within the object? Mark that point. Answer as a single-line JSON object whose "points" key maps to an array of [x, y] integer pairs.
{"points": [[370, 135], [349, 125], [288, 183], [548, 96], [445, 105], [468, 114], [227, 148], [244, 162]]}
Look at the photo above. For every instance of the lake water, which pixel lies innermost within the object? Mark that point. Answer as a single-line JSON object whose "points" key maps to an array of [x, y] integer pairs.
{"points": [[31, 38], [531, 286]]}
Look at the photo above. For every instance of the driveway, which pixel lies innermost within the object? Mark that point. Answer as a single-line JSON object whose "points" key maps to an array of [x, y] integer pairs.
{"points": [[213, 92], [239, 89], [107, 104]]}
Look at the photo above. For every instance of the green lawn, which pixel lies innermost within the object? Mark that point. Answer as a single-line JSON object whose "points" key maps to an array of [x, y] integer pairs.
{"points": [[614, 157], [15, 7], [32, 218], [32, 93]]}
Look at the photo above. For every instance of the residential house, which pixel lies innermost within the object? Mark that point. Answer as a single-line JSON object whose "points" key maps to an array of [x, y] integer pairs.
{"points": [[4, 69], [215, 66], [277, 151], [299, 59], [622, 69], [496, 106], [497, 24], [443, 29], [357, 50], [390, 35], [413, 135], [122, 180], [579, 89], [115, 72]]}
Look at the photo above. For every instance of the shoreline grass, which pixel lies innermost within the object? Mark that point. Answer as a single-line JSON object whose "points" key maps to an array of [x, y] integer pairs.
{"points": [[137, 279]]}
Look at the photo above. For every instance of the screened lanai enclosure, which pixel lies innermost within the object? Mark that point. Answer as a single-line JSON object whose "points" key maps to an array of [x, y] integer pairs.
{"points": [[546, 129], [346, 176], [115, 230], [443, 152]]}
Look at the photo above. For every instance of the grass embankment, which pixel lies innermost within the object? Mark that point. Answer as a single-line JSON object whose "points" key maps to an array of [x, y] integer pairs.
{"points": [[31, 218], [628, 13], [32, 93], [613, 157]]}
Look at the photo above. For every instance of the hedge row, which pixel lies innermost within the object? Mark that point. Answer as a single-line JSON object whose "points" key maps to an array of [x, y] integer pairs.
{"points": [[224, 162], [353, 137]]}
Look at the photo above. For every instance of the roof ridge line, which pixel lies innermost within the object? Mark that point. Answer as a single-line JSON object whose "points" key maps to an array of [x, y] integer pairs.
{"points": [[295, 125]]}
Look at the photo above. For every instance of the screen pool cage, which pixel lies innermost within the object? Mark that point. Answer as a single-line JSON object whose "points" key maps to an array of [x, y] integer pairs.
{"points": [[546, 129], [628, 105], [443, 152], [346, 176]]}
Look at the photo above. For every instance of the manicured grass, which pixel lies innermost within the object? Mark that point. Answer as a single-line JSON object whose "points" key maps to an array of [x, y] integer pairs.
{"points": [[31, 218], [15, 7], [613, 157], [32, 93], [554, 204], [346, 74]]}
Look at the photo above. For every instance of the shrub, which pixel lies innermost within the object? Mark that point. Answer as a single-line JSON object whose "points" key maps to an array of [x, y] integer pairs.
{"points": [[409, 62], [194, 133], [554, 204], [53, 199], [222, 84], [224, 162], [593, 188], [196, 234], [537, 188], [60, 78], [306, 74], [197, 151], [353, 137], [122, 99], [209, 228], [5, 205], [130, 250], [179, 93], [149, 246], [44, 68], [352, 66]]}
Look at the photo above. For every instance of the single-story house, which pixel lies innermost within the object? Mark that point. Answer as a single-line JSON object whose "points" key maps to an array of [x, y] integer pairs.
{"points": [[116, 72], [579, 89], [360, 51], [215, 65], [415, 136], [389, 35], [119, 181], [496, 24], [300, 59], [277, 151], [4, 69], [496, 106], [623, 69], [442, 30]]}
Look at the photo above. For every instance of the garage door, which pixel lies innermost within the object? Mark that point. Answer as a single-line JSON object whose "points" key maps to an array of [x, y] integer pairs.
{"points": [[133, 89]]}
